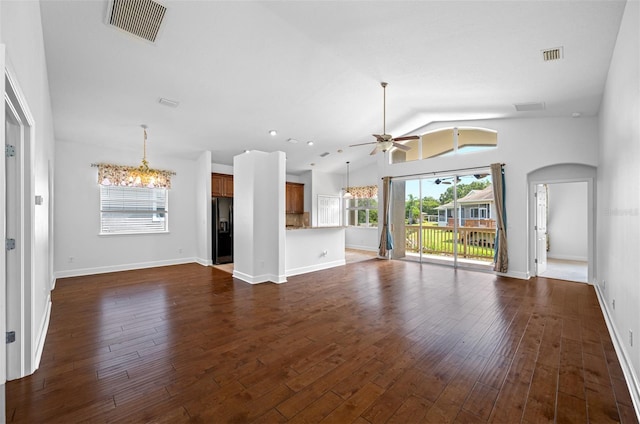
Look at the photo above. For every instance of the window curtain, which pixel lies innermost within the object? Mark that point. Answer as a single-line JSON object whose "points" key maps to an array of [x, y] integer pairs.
{"points": [[364, 192], [386, 240], [500, 258], [132, 176]]}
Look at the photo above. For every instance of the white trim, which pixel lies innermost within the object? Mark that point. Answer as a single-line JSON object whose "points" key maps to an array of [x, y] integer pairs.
{"points": [[518, 275], [316, 267], [126, 267], [204, 262], [257, 279], [42, 336], [358, 247], [625, 363], [568, 258]]}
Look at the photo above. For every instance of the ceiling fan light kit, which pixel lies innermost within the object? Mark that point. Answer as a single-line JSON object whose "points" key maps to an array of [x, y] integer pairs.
{"points": [[385, 141]]}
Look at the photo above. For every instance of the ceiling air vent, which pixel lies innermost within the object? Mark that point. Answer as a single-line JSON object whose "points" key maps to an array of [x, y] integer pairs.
{"points": [[141, 18], [324, 155], [552, 54]]}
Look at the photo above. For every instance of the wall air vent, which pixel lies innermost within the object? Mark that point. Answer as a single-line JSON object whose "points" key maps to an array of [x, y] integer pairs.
{"points": [[141, 18], [552, 54]]}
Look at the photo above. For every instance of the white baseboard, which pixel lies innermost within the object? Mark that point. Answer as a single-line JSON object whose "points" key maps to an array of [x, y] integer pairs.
{"points": [[512, 274], [568, 257], [365, 248], [630, 374], [41, 336], [315, 267], [204, 262], [125, 267], [258, 279]]}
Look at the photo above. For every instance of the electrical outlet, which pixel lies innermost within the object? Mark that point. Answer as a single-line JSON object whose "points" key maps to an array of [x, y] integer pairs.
{"points": [[630, 337], [613, 303]]}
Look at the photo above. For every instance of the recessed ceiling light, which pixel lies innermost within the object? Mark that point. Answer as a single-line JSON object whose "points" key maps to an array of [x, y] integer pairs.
{"points": [[292, 140], [247, 151], [273, 132], [309, 143], [312, 164], [340, 150]]}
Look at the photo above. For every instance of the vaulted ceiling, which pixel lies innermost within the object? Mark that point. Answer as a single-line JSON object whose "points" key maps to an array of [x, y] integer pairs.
{"points": [[312, 71]]}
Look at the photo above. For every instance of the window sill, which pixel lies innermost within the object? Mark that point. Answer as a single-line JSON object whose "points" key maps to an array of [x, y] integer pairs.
{"points": [[133, 234]]}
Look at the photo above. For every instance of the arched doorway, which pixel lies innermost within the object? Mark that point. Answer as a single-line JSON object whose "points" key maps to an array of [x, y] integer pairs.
{"points": [[563, 222]]}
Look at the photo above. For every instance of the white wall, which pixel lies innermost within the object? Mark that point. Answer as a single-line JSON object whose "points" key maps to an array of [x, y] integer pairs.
{"points": [[21, 33], [523, 145], [567, 221], [619, 194], [78, 215], [313, 249]]}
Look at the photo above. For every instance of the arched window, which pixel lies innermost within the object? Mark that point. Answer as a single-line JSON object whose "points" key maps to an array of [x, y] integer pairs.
{"points": [[445, 142]]}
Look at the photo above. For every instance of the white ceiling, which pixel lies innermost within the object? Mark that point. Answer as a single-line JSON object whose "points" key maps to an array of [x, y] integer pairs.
{"points": [[312, 70]]}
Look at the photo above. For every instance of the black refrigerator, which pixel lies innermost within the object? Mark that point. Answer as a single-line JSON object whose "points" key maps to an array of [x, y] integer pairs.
{"points": [[222, 230]]}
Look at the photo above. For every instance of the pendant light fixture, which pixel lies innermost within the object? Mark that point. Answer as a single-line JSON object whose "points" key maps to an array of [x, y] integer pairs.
{"points": [[347, 194], [132, 176]]}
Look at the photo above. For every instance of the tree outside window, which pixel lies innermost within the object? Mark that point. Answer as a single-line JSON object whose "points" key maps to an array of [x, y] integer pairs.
{"points": [[362, 212]]}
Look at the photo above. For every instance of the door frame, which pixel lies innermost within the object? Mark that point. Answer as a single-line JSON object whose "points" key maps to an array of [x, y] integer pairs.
{"points": [[557, 174], [24, 324]]}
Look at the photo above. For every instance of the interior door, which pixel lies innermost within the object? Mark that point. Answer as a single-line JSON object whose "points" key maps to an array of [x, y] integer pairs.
{"points": [[541, 228], [14, 294]]}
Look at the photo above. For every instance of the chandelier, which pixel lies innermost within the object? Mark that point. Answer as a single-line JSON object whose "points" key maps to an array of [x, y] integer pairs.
{"points": [[131, 176]]}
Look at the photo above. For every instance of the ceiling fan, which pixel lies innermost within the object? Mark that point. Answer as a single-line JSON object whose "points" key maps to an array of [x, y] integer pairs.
{"points": [[385, 141]]}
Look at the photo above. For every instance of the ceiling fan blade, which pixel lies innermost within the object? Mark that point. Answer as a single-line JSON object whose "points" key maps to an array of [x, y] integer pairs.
{"points": [[401, 147], [374, 151], [363, 144], [409, 137]]}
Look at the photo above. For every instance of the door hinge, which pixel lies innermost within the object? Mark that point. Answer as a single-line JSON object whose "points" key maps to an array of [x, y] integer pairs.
{"points": [[10, 244], [10, 336], [535, 227], [9, 150], [535, 260]]}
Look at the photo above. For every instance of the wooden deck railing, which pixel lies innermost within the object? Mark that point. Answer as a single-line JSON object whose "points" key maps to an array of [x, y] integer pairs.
{"points": [[473, 242]]}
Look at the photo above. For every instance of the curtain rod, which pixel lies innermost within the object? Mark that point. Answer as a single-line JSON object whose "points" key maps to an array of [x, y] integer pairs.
{"points": [[443, 172]]}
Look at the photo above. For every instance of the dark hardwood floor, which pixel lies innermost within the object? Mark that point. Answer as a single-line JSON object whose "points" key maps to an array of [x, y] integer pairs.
{"points": [[369, 342]]}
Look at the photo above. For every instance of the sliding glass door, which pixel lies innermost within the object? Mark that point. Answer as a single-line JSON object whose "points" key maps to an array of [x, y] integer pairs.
{"points": [[446, 219]]}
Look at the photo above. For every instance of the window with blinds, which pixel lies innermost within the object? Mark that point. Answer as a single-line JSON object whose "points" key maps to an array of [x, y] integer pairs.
{"points": [[133, 210]]}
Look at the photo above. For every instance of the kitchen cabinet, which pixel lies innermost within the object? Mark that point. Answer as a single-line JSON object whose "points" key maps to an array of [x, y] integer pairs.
{"points": [[294, 198], [221, 185]]}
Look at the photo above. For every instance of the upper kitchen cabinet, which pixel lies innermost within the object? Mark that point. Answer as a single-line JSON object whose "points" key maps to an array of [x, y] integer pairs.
{"points": [[221, 185], [294, 198]]}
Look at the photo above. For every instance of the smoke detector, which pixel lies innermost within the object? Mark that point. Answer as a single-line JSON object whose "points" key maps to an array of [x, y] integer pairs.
{"points": [[141, 18]]}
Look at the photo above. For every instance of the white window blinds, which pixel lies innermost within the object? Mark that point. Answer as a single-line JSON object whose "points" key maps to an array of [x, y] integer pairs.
{"points": [[130, 210]]}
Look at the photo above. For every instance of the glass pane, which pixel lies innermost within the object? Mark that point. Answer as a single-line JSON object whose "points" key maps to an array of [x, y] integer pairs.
{"points": [[475, 139]]}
